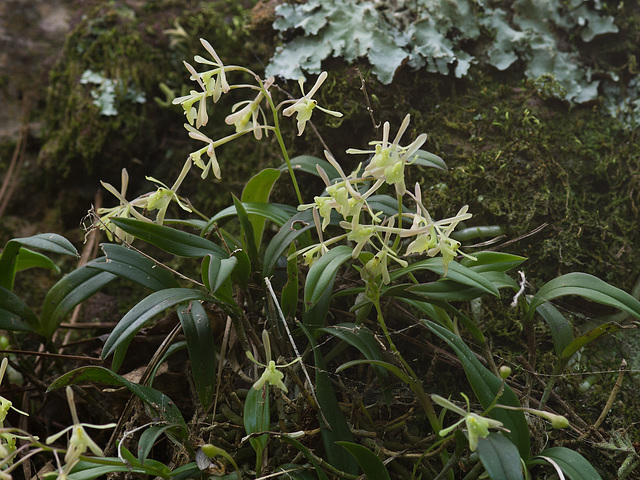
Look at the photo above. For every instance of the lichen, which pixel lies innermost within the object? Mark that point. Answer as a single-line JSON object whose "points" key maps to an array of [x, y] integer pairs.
{"points": [[455, 38]]}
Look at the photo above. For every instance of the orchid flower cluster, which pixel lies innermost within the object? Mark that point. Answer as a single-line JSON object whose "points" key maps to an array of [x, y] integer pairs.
{"points": [[349, 196], [478, 425], [271, 375], [79, 442], [247, 116], [7, 438]]}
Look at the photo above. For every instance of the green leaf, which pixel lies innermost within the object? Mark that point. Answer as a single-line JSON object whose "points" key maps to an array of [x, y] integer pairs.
{"points": [[330, 412], [428, 159], [392, 368], [584, 340], [170, 240], [158, 402], [202, 353], [481, 232], [30, 259], [586, 286], [323, 272], [242, 273], [561, 330], [257, 190], [148, 439], [131, 265], [362, 338], [215, 271], [500, 457], [256, 416], [449, 291], [69, 292], [316, 316], [246, 228], [295, 226], [144, 311], [456, 273], [49, 242], [493, 262], [441, 311], [369, 462], [15, 315], [90, 471], [277, 213], [289, 297], [307, 164], [572, 464], [486, 385]]}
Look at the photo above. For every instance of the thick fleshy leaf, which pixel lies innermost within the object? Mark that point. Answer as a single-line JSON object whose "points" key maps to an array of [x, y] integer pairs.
{"points": [[482, 232], [69, 292], [486, 385], [202, 352], [330, 412], [442, 313], [257, 190], [323, 272], [561, 330], [316, 316], [586, 286], [289, 296], [369, 462], [248, 235], [169, 239], [256, 416], [500, 457], [49, 242], [589, 337], [30, 259], [242, 272], [379, 363], [90, 471], [572, 464], [492, 262], [428, 159], [144, 311], [15, 315], [290, 231], [362, 338], [456, 273], [158, 402], [450, 291], [130, 265], [277, 213], [148, 440], [307, 164], [215, 271]]}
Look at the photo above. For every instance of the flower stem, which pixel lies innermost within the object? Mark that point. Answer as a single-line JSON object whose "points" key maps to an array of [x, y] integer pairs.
{"points": [[415, 385], [283, 148]]}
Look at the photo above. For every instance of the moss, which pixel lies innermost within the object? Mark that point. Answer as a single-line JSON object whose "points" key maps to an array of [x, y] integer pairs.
{"points": [[131, 45]]}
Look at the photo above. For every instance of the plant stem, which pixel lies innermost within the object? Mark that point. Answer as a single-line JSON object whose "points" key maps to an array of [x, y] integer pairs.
{"points": [[283, 148], [415, 385]]}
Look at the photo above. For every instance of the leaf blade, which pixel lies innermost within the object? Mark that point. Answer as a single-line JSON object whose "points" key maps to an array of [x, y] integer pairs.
{"points": [[145, 310]]}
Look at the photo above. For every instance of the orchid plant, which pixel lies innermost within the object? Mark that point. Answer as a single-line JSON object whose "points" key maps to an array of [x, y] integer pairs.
{"points": [[369, 220]]}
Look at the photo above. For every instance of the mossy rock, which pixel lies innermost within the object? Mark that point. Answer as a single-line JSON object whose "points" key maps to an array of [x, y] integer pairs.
{"points": [[135, 48]]}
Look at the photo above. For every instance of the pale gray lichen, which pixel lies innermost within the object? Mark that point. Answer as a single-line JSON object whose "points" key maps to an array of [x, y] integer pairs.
{"points": [[436, 35], [106, 91]]}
